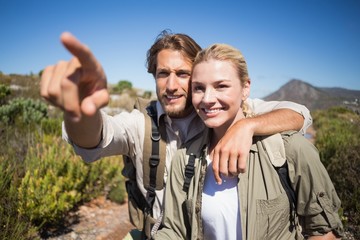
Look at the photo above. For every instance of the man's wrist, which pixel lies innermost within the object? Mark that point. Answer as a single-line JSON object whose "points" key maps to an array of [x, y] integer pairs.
{"points": [[251, 124]]}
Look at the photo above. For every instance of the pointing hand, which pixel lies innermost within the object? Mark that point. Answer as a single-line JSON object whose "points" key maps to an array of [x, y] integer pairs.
{"points": [[78, 86]]}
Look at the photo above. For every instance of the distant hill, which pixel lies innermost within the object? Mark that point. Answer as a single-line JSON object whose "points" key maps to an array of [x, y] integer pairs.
{"points": [[316, 98]]}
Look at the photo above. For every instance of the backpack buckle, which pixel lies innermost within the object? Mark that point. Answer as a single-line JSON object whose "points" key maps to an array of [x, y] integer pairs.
{"points": [[154, 160], [155, 136], [189, 170]]}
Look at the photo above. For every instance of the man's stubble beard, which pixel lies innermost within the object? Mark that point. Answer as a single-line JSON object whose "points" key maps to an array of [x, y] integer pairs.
{"points": [[179, 111]]}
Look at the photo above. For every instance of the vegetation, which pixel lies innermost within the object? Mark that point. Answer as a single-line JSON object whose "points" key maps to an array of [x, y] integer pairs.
{"points": [[122, 86], [338, 141], [56, 180], [42, 180], [123, 96]]}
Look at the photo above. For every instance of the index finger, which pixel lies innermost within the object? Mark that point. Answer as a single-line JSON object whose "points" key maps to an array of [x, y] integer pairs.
{"points": [[79, 50]]}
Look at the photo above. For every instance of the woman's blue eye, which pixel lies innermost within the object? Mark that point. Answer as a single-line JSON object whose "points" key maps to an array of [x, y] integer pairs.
{"points": [[197, 88]]}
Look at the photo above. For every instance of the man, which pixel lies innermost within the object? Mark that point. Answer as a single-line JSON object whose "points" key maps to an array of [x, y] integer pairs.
{"points": [[79, 88]]}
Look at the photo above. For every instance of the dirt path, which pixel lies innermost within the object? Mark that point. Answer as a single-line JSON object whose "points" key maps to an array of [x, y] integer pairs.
{"points": [[99, 220]]}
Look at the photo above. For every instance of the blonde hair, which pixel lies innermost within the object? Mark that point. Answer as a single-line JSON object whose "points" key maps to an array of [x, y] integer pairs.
{"points": [[225, 52]]}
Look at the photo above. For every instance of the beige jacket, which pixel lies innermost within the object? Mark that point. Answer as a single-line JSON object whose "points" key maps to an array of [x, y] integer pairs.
{"points": [[264, 210]]}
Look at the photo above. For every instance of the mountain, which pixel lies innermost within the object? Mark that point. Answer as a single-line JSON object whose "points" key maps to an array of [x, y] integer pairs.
{"points": [[315, 98]]}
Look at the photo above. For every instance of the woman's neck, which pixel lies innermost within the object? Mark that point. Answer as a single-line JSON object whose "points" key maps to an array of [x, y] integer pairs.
{"points": [[216, 135], [219, 132]]}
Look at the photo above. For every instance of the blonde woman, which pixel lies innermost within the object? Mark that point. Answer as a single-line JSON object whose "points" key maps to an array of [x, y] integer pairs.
{"points": [[252, 205]]}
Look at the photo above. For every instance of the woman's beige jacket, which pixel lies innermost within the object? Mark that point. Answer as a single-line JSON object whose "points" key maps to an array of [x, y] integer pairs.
{"points": [[264, 205]]}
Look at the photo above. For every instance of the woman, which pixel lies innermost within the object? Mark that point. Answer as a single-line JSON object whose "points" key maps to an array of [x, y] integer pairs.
{"points": [[253, 205]]}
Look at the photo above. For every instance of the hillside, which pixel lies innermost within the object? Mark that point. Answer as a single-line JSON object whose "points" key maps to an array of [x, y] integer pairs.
{"points": [[316, 98], [295, 90]]}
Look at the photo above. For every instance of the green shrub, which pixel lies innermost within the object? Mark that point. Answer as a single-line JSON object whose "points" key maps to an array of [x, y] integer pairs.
{"points": [[50, 186], [56, 181], [51, 126], [40, 176], [344, 170], [338, 141], [14, 143], [337, 128], [23, 111], [12, 225], [122, 86], [4, 92], [117, 192]]}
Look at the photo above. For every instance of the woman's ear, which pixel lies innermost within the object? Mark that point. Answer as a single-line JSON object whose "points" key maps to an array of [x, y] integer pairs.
{"points": [[246, 90]]}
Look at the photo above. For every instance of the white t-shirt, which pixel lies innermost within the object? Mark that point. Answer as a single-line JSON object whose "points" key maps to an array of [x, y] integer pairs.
{"points": [[220, 207]]}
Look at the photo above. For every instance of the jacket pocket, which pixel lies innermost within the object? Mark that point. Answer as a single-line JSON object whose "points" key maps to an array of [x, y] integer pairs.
{"points": [[273, 217]]}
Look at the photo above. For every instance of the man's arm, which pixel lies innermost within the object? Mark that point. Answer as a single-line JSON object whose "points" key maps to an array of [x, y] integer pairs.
{"points": [[79, 88], [231, 153], [260, 107]]}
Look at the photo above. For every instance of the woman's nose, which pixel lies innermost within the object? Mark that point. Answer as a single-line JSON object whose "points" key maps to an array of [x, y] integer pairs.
{"points": [[209, 95]]}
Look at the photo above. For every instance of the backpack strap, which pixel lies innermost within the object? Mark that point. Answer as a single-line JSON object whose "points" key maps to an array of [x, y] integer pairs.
{"points": [[194, 148], [283, 173], [189, 172], [154, 162], [275, 149], [154, 152]]}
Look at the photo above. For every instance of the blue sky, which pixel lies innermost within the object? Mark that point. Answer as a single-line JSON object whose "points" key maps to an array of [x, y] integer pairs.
{"points": [[317, 41]]}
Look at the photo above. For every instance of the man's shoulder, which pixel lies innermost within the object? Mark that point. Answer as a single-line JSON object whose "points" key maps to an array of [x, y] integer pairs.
{"points": [[148, 106], [294, 139]]}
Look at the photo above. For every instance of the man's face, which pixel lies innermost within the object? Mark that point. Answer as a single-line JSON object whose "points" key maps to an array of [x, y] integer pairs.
{"points": [[173, 83]]}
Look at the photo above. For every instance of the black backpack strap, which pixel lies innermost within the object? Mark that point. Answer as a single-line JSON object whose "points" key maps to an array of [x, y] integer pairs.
{"points": [[154, 158], [283, 173], [195, 148], [189, 172], [154, 164]]}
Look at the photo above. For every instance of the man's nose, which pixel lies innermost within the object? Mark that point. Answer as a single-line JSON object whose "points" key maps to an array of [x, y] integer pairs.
{"points": [[172, 82]]}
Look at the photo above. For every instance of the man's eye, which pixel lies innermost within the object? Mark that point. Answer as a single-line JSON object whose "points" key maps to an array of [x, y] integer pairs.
{"points": [[162, 74], [183, 74]]}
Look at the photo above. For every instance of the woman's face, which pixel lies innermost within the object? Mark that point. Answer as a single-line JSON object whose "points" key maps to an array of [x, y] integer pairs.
{"points": [[217, 93]]}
